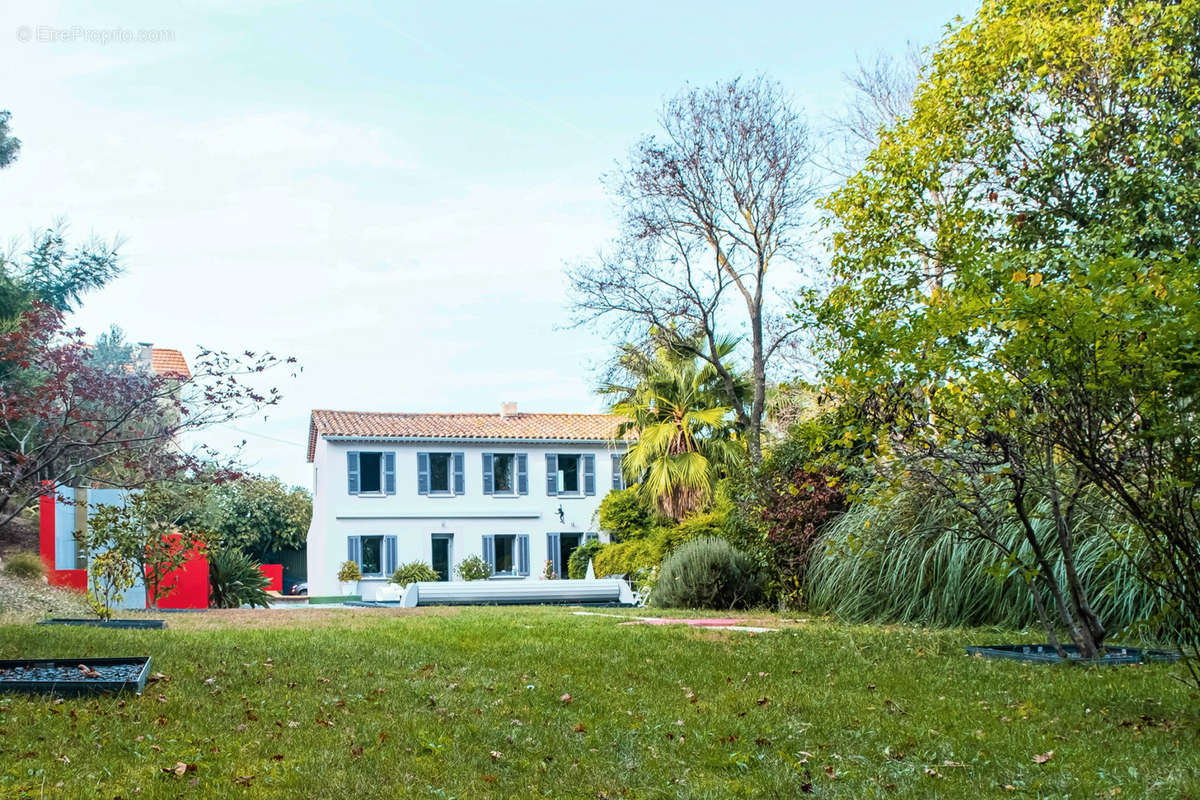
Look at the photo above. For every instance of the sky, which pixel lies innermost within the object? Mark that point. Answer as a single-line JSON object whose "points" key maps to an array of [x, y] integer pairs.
{"points": [[387, 192]]}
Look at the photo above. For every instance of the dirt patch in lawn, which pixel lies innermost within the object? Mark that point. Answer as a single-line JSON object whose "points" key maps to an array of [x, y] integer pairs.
{"points": [[312, 617]]}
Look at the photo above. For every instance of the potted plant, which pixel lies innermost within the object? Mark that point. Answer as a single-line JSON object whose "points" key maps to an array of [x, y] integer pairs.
{"points": [[349, 574], [473, 568]]}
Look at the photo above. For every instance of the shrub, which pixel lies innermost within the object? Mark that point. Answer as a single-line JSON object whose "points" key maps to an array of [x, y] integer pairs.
{"points": [[473, 568], [26, 566], [109, 575], [577, 564], [624, 515], [708, 573], [412, 572], [236, 580], [637, 557], [349, 571]]}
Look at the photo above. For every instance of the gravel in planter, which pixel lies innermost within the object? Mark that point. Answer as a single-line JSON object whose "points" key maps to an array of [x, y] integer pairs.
{"points": [[1046, 654], [141, 624], [74, 676]]}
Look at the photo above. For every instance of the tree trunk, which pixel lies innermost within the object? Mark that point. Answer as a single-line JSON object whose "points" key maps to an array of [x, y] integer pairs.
{"points": [[759, 403]]}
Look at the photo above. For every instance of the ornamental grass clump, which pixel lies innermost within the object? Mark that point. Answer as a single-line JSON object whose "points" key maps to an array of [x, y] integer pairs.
{"points": [[26, 566], [413, 572], [709, 573]]}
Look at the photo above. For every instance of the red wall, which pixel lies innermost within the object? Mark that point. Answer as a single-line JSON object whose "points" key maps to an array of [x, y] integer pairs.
{"points": [[189, 584], [191, 580], [64, 578], [274, 573]]}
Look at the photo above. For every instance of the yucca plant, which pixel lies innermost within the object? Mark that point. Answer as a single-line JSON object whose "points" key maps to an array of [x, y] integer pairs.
{"points": [[236, 580]]}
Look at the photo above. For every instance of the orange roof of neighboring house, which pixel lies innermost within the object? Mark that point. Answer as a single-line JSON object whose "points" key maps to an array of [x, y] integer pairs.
{"points": [[165, 361], [369, 425]]}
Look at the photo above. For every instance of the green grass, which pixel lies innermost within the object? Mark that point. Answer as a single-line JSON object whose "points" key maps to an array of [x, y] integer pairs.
{"points": [[363, 704]]}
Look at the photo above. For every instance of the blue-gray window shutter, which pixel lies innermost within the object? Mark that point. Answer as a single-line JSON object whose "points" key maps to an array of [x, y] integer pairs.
{"points": [[523, 554], [522, 473], [354, 549], [551, 474], [460, 473], [618, 476], [553, 552], [389, 473], [352, 471], [389, 555], [489, 551], [422, 473], [589, 474], [489, 479]]}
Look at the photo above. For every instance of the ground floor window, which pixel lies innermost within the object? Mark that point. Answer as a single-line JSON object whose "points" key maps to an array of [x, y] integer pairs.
{"points": [[374, 554], [508, 553]]}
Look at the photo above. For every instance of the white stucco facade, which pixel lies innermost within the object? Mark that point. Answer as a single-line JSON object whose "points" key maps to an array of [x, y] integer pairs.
{"points": [[472, 522]]}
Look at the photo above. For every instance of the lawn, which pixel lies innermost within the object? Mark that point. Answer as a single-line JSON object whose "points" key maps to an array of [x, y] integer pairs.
{"points": [[537, 702]]}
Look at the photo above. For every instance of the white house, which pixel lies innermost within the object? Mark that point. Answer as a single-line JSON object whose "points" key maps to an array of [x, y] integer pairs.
{"points": [[517, 489]]}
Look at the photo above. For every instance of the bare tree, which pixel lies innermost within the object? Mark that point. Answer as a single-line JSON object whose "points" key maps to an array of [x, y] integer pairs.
{"points": [[710, 207], [882, 94]]}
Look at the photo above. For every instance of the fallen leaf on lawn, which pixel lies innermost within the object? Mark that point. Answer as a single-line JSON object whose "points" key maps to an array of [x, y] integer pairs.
{"points": [[566, 698], [162, 698], [488, 778], [356, 751], [933, 773], [580, 728], [180, 768], [156, 677], [806, 788], [496, 755], [762, 701], [324, 722], [277, 757], [1042, 758], [243, 780], [829, 770], [210, 681], [63, 758]]}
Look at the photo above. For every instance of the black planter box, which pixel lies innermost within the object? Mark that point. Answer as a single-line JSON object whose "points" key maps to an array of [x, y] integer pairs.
{"points": [[61, 676], [139, 624], [1046, 654]]}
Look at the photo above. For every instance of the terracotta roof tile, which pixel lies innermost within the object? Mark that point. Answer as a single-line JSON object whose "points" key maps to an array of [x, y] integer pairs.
{"points": [[487, 427], [165, 361]]}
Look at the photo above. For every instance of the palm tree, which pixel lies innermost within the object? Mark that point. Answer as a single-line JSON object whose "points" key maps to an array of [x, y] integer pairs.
{"points": [[685, 437]]}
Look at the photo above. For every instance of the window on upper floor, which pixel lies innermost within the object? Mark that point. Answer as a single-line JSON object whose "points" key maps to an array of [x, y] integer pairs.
{"points": [[505, 473], [618, 470], [370, 472], [440, 473], [570, 474]]}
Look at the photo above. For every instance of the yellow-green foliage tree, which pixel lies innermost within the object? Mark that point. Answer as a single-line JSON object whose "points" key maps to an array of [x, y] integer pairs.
{"points": [[1017, 304]]}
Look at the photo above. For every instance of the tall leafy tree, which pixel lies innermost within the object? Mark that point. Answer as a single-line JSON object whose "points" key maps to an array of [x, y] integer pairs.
{"points": [[258, 515], [1018, 301], [685, 437]]}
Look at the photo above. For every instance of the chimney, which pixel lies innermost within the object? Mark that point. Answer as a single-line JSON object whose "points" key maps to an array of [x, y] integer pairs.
{"points": [[143, 354], [508, 409]]}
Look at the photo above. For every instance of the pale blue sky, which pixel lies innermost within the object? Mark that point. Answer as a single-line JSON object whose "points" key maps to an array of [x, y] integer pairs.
{"points": [[388, 192]]}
